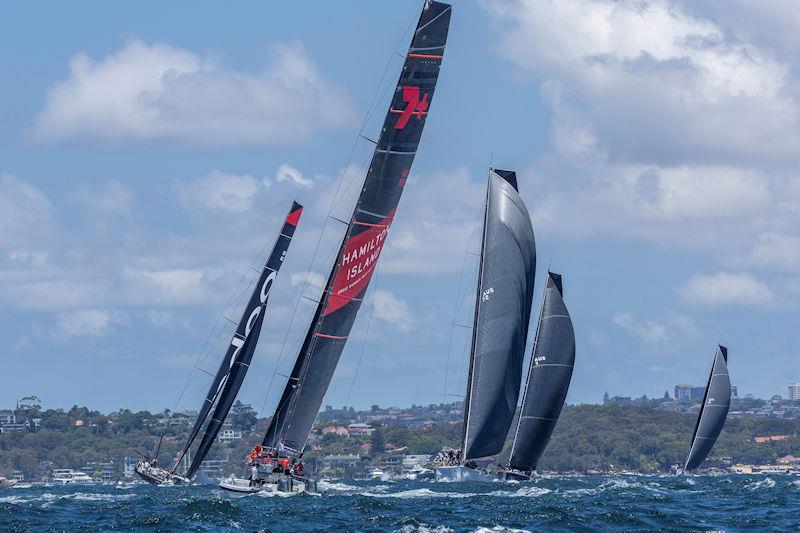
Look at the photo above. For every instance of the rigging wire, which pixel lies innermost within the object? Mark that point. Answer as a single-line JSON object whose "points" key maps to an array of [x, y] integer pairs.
{"points": [[457, 305], [217, 330], [366, 336]]}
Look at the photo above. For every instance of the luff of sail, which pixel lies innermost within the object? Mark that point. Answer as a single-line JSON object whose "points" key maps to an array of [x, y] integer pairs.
{"points": [[713, 412], [549, 375], [502, 314], [240, 351], [366, 234]]}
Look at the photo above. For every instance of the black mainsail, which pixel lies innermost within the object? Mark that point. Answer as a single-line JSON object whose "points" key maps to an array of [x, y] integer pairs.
{"points": [[713, 412], [366, 234], [549, 375], [502, 313], [233, 367]]}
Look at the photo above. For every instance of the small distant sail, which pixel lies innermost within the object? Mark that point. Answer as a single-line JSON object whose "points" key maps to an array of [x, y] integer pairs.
{"points": [[228, 379], [502, 314], [713, 412], [549, 376], [366, 234]]}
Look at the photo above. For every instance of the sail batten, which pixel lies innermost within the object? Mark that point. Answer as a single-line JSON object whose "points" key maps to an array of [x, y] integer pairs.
{"points": [[549, 376], [502, 315], [713, 411], [365, 237], [239, 354]]}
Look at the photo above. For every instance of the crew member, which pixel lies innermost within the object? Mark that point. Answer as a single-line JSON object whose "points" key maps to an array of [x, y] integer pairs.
{"points": [[254, 475]]}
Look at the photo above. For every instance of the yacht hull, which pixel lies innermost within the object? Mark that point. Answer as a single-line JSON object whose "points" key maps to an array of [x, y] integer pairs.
{"points": [[461, 473], [278, 484], [156, 475]]}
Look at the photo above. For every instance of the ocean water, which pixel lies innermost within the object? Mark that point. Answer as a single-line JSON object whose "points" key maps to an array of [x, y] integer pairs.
{"points": [[629, 503]]}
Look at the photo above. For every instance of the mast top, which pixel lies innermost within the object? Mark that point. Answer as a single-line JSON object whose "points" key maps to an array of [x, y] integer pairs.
{"points": [[555, 279], [509, 175]]}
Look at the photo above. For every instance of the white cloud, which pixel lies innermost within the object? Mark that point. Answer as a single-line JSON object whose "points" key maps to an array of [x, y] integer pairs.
{"points": [[725, 288], [161, 92], [25, 212], [652, 80], [177, 286], [776, 251], [87, 323], [49, 294], [109, 197], [660, 331], [431, 234], [220, 191], [650, 331], [313, 279], [391, 309], [291, 174]]}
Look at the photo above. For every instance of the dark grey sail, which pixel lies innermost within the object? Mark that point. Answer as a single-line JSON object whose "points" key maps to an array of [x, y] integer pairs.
{"points": [[234, 365], [713, 412], [549, 375], [502, 315], [366, 234]]}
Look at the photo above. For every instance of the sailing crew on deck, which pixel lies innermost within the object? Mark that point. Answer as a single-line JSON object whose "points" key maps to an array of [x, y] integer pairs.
{"points": [[254, 475]]}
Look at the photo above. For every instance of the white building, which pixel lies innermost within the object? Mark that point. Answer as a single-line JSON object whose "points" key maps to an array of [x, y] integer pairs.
{"points": [[411, 460], [7, 417], [794, 390], [359, 429], [230, 434]]}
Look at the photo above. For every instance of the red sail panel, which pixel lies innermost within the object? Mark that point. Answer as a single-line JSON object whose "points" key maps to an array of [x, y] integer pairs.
{"points": [[357, 264]]}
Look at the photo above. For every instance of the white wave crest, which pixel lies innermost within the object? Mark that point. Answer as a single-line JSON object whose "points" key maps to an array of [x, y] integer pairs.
{"points": [[766, 483], [48, 498], [524, 492], [425, 529], [500, 529], [420, 493], [332, 486]]}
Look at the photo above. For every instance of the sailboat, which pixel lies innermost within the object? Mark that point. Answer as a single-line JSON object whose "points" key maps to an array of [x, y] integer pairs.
{"points": [[232, 369], [713, 412], [549, 375], [282, 447], [500, 329]]}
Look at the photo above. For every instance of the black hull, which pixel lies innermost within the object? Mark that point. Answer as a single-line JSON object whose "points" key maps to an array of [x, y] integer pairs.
{"points": [[514, 476], [150, 479]]}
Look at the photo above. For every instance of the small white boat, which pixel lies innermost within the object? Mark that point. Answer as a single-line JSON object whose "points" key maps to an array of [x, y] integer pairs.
{"points": [[7, 483], [67, 476], [270, 483], [378, 475]]}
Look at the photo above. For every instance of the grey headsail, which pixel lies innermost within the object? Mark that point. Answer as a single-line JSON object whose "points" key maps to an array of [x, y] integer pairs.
{"points": [[240, 351], [366, 234], [502, 313], [549, 375], [713, 412]]}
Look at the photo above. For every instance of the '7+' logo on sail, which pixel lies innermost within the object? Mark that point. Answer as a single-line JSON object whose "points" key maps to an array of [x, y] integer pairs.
{"points": [[414, 106]]}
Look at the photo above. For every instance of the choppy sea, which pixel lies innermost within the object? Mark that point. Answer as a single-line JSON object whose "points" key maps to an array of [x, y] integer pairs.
{"points": [[630, 503]]}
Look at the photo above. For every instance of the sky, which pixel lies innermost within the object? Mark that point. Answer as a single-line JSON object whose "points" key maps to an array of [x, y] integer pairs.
{"points": [[149, 152]]}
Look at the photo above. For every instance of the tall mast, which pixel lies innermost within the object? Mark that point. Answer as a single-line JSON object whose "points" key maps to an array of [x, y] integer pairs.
{"points": [[530, 367], [366, 234], [475, 325]]}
